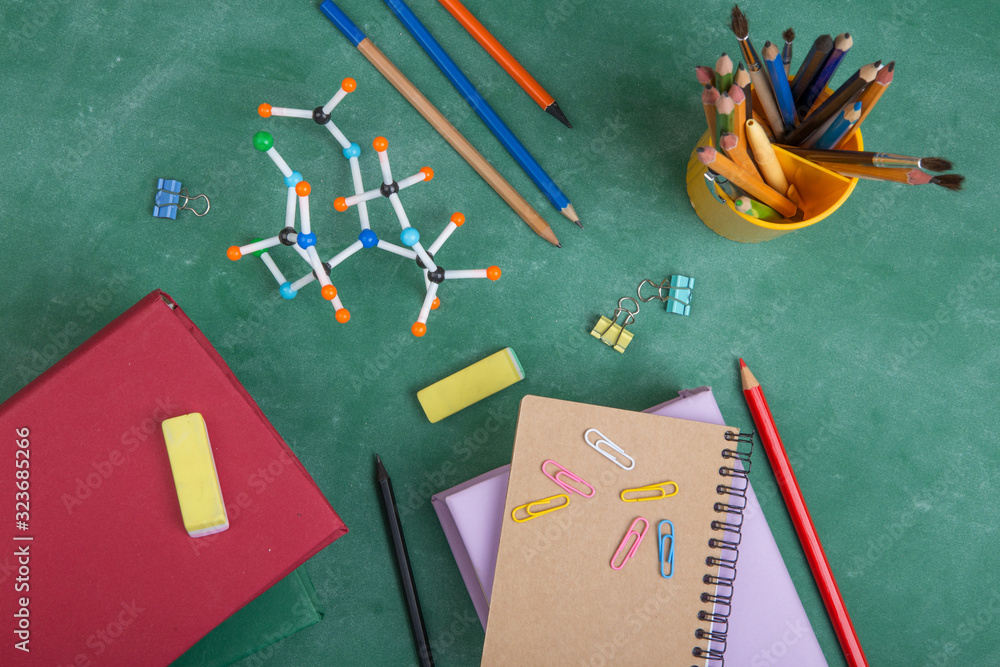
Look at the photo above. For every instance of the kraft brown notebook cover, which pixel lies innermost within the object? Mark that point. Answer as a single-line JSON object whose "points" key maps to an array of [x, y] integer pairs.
{"points": [[556, 599]]}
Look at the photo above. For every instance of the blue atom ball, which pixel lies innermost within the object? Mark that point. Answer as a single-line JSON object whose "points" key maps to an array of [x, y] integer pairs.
{"points": [[352, 151], [287, 291], [290, 181], [409, 237], [306, 240], [368, 238]]}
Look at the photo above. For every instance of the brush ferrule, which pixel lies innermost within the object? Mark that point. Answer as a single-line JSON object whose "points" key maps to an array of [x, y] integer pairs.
{"points": [[750, 56]]}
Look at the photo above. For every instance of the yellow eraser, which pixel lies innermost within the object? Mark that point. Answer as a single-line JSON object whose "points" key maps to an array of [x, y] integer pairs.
{"points": [[471, 384], [197, 482]]}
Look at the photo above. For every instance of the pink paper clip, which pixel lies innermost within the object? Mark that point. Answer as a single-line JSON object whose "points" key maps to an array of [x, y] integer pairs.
{"points": [[566, 473], [625, 541]]}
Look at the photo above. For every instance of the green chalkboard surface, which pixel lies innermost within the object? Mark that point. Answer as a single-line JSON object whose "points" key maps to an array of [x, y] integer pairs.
{"points": [[873, 332]]}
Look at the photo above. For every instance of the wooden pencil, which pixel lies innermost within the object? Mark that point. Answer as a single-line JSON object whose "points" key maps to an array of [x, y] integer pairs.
{"points": [[724, 108], [708, 98], [841, 45], [834, 104], [745, 180], [740, 130], [736, 150], [705, 75], [742, 79], [872, 159], [817, 55], [779, 82], [437, 120], [723, 73], [839, 127], [871, 94], [510, 64]]}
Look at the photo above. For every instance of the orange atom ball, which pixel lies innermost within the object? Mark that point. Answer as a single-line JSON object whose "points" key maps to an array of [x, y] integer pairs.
{"points": [[493, 273], [380, 144], [340, 203], [458, 219], [427, 172], [302, 189], [329, 291], [435, 303], [418, 329], [349, 85], [234, 252], [264, 110], [343, 314]]}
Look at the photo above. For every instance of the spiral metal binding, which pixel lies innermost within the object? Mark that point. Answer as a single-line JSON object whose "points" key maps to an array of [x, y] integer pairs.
{"points": [[720, 596]]}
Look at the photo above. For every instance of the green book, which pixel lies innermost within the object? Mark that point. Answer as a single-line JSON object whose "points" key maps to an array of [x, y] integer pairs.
{"points": [[282, 610]]}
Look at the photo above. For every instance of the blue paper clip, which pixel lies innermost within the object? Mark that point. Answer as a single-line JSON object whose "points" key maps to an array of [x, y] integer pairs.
{"points": [[666, 559], [678, 293]]}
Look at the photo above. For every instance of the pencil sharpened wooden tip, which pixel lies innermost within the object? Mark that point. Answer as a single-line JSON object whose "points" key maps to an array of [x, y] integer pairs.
{"points": [[554, 111], [746, 377], [570, 213]]}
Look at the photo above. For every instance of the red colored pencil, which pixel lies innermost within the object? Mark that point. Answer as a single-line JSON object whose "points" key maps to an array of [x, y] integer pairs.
{"points": [[800, 517]]}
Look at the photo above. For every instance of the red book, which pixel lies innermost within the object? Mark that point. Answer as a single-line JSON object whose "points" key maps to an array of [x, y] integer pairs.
{"points": [[95, 564]]}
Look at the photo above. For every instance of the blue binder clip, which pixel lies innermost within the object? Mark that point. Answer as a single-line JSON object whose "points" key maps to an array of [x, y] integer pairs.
{"points": [[678, 293], [167, 200]]}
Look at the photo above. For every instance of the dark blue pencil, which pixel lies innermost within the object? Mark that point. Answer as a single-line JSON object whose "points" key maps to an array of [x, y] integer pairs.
{"points": [[483, 109]]}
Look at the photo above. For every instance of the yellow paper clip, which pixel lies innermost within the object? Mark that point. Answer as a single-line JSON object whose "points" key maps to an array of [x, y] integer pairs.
{"points": [[660, 489], [527, 507]]}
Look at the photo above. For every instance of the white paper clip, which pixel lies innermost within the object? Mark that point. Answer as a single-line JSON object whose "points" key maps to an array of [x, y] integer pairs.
{"points": [[603, 439]]}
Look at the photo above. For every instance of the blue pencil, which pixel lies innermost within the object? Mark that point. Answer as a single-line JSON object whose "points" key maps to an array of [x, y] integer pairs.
{"points": [[841, 46], [779, 83], [839, 127], [483, 109]]}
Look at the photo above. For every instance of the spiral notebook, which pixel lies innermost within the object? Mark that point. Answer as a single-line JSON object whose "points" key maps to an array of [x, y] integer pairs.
{"points": [[555, 596]]}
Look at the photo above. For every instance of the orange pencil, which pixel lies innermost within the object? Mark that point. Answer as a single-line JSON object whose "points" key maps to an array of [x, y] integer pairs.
{"points": [[741, 178], [709, 96], [505, 60], [741, 158], [869, 96]]}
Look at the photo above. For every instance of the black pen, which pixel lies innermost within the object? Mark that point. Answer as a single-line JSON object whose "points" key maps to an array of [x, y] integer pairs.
{"points": [[403, 561]]}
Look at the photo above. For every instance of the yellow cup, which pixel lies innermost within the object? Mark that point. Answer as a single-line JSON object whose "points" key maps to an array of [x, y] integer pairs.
{"points": [[820, 190]]}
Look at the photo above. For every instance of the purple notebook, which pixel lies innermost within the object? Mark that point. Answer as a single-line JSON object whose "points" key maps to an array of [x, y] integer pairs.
{"points": [[767, 623]]}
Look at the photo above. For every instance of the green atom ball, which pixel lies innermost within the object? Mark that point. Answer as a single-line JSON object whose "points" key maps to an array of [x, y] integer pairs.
{"points": [[263, 141]]}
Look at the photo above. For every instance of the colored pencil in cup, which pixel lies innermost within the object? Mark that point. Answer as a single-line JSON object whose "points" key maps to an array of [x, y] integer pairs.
{"points": [[510, 65], [724, 108], [870, 95], [708, 98], [723, 73], [746, 181], [736, 150], [811, 66], [705, 75], [854, 85], [742, 79], [483, 109], [437, 120], [804, 527], [841, 45], [839, 127], [779, 82]]}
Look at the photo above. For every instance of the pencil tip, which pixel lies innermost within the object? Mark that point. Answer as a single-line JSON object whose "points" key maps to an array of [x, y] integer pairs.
{"points": [[559, 245], [554, 110], [578, 224], [742, 363]]}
